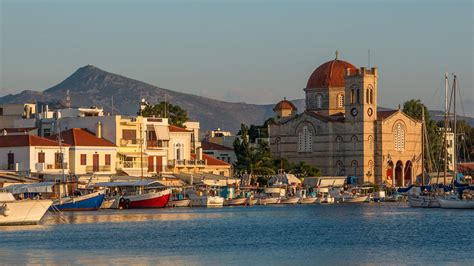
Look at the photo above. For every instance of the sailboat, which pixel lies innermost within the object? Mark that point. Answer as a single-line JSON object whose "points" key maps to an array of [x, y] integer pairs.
{"points": [[463, 197]]}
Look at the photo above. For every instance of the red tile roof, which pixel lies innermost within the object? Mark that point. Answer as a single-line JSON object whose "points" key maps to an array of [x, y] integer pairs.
{"points": [[174, 128], [206, 145], [82, 137], [381, 115], [211, 160], [26, 140], [329, 74]]}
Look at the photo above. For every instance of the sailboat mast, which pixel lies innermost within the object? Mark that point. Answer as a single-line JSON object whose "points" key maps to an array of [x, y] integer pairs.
{"points": [[423, 143], [455, 129], [445, 141]]}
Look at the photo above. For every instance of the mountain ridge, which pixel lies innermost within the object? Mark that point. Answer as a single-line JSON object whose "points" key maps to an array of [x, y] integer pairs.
{"points": [[92, 86]]}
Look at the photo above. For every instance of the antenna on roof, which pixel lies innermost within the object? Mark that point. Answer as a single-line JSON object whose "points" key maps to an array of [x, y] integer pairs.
{"points": [[337, 55], [368, 58]]}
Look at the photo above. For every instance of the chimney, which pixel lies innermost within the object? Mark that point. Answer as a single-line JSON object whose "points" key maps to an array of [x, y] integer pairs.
{"points": [[98, 131], [46, 111], [199, 153]]}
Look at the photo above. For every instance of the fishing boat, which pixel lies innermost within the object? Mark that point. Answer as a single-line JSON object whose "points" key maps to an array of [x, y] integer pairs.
{"points": [[206, 200], [289, 200], [149, 199], [419, 199], [179, 203], [268, 200], [135, 194], [308, 200], [21, 212], [88, 202], [235, 202]]}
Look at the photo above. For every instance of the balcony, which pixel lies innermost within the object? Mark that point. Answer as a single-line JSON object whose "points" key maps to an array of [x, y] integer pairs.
{"points": [[186, 163], [129, 142], [156, 144], [100, 168], [131, 165]]}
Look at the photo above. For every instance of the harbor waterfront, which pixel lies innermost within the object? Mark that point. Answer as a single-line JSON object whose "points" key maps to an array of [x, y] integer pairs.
{"points": [[369, 233]]}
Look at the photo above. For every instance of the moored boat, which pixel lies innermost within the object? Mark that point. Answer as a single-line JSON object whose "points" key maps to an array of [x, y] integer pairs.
{"points": [[88, 202], [289, 200], [150, 199], [308, 200], [456, 203], [179, 203], [21, 212], [235, 202], [269, 200], [423, 201]]}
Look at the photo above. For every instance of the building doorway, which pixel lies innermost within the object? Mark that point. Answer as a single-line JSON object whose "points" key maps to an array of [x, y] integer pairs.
{"points": [[408, 173], [390, 172], [399, 174], [95, 162]]}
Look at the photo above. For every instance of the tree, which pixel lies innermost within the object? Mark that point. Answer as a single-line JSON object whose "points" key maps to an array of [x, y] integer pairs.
{"points": [[304, 169], [415, 108], [253, 160], [177, 116]]}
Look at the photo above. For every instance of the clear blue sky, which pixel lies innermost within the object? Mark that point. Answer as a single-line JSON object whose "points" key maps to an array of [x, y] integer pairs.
{"points": [[253, 51]]}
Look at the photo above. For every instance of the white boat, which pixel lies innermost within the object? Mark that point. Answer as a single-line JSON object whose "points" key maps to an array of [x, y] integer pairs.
{"points": [[235, 202], [291, 200], [21, 212], [422, 201], [206, 201], [456, 203], [308, 200], [252, 201], [267, 201], [179, 203], [355, 199]]}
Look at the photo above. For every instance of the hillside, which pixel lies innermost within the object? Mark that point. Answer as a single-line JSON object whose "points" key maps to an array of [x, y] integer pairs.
{"points": [[92, 86]]}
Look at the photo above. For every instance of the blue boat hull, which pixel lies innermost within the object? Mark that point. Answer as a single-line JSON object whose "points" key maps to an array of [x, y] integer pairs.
{"points": [[82, 203]]}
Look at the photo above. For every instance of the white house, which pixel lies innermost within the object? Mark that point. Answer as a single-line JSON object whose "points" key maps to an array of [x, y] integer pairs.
{"points": [[30, 154], [88, 153]]}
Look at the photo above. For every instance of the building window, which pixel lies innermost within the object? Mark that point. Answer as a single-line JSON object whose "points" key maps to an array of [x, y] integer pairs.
{"points": [[319, 101], [11, 161], [370, 94], [340, 100], [339, 168], [129, 135], [107, 159], [46, 132], [339, 143], [371, 142], [305, 140], [367, 95], [399, 137], [354, 140], [354, 166], [41, 158], [83, 159], [179, 151], [371, 167], [358, 96]]}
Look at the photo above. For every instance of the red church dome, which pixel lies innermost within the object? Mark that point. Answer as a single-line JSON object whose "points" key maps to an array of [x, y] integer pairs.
{"points": [[284, 105], [329, 74]]}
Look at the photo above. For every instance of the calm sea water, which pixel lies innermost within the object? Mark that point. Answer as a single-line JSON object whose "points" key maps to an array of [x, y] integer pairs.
{"points": [[277, 235]]}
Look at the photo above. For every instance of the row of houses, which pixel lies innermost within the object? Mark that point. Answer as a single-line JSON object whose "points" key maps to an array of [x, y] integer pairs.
{"points": [[85, 141]]}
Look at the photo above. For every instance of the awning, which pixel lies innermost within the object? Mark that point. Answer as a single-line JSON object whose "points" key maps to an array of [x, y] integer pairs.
{"points": [[42, 187], [125, 184], [162, 132], [206, 179]]}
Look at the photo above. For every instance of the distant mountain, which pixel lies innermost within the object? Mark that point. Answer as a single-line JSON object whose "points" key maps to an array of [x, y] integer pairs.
{"points": [[91, 86]]}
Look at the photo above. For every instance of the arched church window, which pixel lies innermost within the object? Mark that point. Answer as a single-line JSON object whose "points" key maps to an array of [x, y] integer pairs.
{"points": [[352, 96], [339, 143], [354, 166], [339, 168], [370, 94], [367, 96], [354, 140], [371, 142], [305, 140], [319, 101], [371, 167], [399, 136], [358, 96], [340, 100]]}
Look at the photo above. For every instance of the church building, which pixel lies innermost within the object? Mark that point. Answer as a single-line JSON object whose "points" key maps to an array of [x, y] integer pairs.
{"points": [[341, 131]]}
